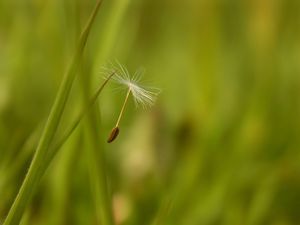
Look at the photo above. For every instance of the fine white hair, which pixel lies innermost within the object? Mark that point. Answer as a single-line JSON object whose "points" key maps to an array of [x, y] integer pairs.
{"points": [[143, 96]]}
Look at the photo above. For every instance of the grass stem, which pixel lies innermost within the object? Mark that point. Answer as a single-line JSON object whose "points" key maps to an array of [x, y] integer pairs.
{"points": [[35, 172], [75, 124]]}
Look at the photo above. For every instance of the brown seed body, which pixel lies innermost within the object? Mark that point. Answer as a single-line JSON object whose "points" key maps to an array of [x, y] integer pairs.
{"points": [[113, 134]]}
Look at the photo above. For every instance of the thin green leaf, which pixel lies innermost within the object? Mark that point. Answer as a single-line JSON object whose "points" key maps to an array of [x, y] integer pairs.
{"points": [[35, 173]]}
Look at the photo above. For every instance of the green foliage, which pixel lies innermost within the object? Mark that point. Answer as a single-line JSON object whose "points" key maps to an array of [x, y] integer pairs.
{"points": [[220, 146]]}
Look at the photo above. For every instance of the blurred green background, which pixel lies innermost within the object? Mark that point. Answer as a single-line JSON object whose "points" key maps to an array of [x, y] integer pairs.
{"points": [[221, 144]]}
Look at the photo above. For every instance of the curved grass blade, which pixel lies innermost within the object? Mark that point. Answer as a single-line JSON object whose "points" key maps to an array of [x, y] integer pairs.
{"points": [[51, 154], [35, 173]]}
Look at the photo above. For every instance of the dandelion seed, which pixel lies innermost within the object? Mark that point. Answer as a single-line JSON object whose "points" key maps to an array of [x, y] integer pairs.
{"points": [[144, 97], [113, 134]]}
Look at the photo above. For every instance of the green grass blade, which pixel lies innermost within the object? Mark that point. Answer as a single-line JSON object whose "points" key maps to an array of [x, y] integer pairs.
{"points": [[35, 173], [96, 157], [98, 170], [71, 129]]}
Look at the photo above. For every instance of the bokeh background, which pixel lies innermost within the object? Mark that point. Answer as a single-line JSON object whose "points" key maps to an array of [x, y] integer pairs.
{"points": [[221, 144]]}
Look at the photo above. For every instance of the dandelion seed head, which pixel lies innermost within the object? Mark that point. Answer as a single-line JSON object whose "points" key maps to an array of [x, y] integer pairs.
{"points": [[143, 96]]}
